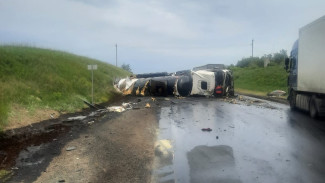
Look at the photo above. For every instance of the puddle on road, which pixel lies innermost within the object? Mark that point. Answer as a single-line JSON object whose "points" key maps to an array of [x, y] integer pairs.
{"points": [[212, 164]]}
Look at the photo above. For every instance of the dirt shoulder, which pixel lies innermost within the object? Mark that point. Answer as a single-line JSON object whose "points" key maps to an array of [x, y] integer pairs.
{"points": [[273, 99], [115, 147]]}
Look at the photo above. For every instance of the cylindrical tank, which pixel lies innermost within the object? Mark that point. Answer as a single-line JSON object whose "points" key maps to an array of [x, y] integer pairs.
{"points": [[171, 80], [139, 85], [184, 85]]}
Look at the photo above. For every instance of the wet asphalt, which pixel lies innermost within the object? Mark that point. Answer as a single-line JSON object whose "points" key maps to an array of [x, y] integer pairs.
{"points": [[251, 140]]}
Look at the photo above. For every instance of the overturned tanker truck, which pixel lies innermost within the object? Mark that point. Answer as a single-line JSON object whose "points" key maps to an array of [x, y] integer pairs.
{"points": [[208, 80]]}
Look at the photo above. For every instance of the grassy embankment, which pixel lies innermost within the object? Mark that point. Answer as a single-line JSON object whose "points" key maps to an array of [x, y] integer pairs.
{"points": [[259, 80], [37, 79]]}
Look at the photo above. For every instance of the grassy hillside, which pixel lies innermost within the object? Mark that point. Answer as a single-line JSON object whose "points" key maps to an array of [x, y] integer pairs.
{"points": [[41, 78], [260, 80]]}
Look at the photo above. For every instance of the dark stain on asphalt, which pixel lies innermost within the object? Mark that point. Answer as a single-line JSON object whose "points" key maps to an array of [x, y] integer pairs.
{"points": [[212, 164]]}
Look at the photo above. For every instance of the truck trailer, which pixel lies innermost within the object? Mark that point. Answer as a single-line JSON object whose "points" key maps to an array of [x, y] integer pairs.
{"points": [[306, 64], [201, 82]]}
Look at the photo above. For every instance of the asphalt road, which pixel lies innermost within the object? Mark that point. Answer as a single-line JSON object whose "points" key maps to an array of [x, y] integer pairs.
{"points": [[252, 140]]}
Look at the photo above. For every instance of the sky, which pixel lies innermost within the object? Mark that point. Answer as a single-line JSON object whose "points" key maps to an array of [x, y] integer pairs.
{"points": [[158, 35]]}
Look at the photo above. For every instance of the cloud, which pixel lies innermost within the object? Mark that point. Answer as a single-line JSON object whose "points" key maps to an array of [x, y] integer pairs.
{"points": [[158, 35]]}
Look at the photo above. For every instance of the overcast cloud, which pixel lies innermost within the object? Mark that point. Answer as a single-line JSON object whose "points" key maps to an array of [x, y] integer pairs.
{"points": [[165, 35]]}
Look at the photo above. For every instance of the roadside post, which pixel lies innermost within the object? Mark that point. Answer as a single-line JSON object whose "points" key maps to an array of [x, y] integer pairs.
{"points": [[92, 68]]}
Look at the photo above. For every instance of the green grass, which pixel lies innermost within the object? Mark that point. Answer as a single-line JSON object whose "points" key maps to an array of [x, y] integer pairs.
{"points": [[260, 81], [5, 175], [42, 78]]}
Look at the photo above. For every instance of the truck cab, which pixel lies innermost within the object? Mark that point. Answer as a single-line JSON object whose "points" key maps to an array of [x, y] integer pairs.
{"points": [[293, 67]]}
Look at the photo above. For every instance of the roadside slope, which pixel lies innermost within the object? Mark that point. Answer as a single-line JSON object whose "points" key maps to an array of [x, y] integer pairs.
{"points": [[37, 81], [259, 81]]}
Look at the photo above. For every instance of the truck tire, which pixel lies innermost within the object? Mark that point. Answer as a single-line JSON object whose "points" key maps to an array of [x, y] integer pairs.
{"points": [[313, 108], [292, 100]]}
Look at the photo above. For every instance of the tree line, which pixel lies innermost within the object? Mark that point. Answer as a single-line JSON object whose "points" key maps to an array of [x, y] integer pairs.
{"points": [[275, 59]]}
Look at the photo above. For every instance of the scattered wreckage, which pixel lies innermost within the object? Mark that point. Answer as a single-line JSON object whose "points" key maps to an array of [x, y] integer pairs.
{"points": [[208, 80]]}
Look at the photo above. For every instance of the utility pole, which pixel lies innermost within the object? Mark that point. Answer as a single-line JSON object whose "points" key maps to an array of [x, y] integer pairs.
{"points": [[252, 48], [116, 54]]}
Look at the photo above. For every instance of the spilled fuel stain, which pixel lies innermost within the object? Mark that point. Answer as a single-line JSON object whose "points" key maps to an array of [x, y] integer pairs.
{"points": [[12, 146]]}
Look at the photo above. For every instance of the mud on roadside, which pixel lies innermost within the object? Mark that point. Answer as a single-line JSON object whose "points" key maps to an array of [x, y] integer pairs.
{"points": [[269, 98]]}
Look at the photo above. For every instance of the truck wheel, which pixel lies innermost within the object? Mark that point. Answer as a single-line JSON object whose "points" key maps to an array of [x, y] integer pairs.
{"points": [[292, 100], [312, 108]]}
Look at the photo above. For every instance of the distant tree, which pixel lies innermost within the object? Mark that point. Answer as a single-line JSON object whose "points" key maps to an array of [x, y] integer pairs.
{"points": [[250, 62], [126, 67], [279, 57], [267, 56], [244, 62], [275, 59], [231, 66]]}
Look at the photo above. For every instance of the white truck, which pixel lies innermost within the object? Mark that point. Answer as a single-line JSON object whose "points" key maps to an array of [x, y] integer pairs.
{"points": [[306, 67]]}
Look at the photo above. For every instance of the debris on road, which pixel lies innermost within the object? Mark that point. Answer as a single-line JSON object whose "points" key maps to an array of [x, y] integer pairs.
{"points": [[172, 102], [249, 101], [77, 118], [233, 101], [90, 105], [116, 109], [127, 105], [100, 112], [52, 115], [92, 114], [240, 98], [276, 93], [70, 148], [206, 129]]}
